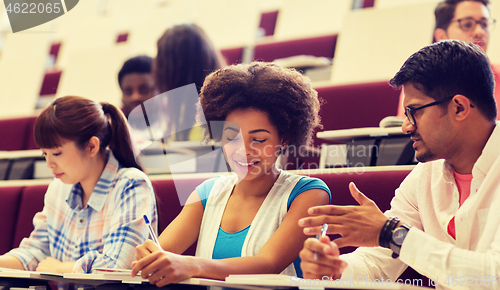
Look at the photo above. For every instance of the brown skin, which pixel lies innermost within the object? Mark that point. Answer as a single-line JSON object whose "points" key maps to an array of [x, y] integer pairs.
{"points": [[258, 142], [456, 133], [87, 161], [465, 9]]}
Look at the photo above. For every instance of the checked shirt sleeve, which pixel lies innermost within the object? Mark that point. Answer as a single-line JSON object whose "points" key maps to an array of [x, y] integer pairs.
{"points": [[35, 248], [132, 199]]}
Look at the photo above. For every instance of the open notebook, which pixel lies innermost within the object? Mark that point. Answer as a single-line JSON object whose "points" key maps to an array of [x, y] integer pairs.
{"points": [[104, 274]]}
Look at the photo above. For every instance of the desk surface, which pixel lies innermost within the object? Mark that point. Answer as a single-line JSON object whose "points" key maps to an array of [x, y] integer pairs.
{"points": [[100, 282], [357, 133]]}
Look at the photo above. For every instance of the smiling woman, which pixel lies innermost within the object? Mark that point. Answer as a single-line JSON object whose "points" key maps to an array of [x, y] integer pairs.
{"points": [[244, 222], [92, 216]]}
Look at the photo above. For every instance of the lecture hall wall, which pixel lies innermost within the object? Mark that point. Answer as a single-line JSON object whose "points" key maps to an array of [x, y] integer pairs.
{"points": [[90, 56]]}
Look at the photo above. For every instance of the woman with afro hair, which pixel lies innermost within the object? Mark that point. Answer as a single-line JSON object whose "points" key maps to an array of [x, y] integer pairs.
{"points": [[245, 222]]}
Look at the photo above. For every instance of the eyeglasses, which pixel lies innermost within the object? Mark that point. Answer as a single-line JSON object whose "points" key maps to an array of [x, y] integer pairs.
{"points": [[469, 23], [409, 111]]}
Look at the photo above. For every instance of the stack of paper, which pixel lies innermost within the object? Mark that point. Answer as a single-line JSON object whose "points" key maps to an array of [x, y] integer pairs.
{"points": [[262, 279]]}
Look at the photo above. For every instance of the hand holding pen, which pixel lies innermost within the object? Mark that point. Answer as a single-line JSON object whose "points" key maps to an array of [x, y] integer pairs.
{"points": [[324, 230], [151, 232]]}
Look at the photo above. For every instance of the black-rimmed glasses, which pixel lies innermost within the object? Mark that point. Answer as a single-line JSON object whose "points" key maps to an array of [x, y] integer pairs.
{"points": [[469, 23], [409, 111]]}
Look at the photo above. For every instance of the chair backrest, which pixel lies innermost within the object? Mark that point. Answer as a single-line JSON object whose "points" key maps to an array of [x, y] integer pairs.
{"points": [[13, 133], [300, 19], [9, 207], [315, 46], [228, 23], [93, 74], [233, 55], [394, 3], [32, 200], [374, 43], [22, 68], [356, 106]]}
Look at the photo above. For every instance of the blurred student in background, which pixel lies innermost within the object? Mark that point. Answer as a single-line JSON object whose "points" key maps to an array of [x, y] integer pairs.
{"points": [[93, 210], [136, 82], [246, 222], [185, 56], [466, 20]]}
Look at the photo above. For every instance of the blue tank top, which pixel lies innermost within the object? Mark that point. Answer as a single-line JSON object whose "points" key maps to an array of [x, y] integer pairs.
{"points": [[229, 245]]}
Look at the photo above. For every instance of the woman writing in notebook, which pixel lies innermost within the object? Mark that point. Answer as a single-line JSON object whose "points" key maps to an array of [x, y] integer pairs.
{"points": [[93, 211], [244, 222]]}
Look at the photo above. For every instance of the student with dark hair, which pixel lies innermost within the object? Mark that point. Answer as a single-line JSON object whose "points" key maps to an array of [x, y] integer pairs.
{"points": [[244, 222], [136, 82], [443, 220], [465, 20], [185, 56], [93, 211]]}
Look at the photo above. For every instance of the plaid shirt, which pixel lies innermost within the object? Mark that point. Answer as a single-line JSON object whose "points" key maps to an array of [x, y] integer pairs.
{"points": [[104, 233]]}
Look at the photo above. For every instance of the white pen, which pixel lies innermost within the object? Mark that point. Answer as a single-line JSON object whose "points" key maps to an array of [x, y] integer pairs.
{"points": [[324, 230], [151, 232]]}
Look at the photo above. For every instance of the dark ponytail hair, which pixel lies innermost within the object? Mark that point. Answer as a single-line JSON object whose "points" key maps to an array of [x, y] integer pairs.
{"points": [[79, 119]]}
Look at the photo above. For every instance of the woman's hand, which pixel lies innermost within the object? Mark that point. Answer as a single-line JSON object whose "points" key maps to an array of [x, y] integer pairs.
{"points": [[55, 266], [162, 267]]}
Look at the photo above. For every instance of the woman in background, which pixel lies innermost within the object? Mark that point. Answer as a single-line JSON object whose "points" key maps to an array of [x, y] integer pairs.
{"points": [[93, 209], [185, 56], [247, 222]]}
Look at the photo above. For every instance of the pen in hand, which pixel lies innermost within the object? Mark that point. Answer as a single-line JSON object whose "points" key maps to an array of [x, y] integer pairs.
{"points": [[151, 232], [324, 230]]}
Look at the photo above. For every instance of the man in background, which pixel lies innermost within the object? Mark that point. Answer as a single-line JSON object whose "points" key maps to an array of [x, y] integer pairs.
{"points": [[466, 20], [136, 82]]}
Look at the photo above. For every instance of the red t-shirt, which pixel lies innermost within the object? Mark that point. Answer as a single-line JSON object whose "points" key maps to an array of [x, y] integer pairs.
{"points": [[463, 183]]}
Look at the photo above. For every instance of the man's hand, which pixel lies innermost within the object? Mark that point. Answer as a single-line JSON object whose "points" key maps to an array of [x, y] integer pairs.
{"points": [[327, 262], [358, 225]]}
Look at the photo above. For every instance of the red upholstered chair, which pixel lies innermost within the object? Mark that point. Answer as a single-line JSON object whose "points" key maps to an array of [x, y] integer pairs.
{"points": [[122, 37], [50, 83], [31, 202], [232, 55], [316, 46], [357, 106], [9, 207], [368, 3], [54, 50], [268, 22], [169, 203], [13, 133], [30, 138]]}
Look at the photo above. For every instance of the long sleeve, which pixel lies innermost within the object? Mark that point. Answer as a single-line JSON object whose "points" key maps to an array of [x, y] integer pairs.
{"points": [[450, 266], [428, 200], [127, 228], [35, 248]]}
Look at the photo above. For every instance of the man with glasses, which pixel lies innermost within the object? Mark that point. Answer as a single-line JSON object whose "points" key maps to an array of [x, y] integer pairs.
{"points": [[466, 20], [444, 220]]}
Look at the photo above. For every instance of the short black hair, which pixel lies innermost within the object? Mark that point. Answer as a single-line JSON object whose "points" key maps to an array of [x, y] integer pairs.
{"points": [[140, 64], [448, 68]]}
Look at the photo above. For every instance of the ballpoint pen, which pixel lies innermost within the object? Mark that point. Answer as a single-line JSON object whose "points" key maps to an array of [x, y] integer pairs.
{"points": [[151, 232], [324, 230]]}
